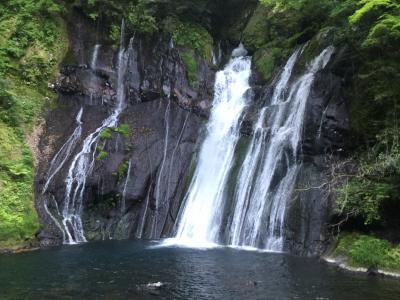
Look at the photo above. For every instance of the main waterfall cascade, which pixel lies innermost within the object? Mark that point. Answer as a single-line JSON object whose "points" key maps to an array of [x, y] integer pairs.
{"points": [[266, 180], [202, 214]]}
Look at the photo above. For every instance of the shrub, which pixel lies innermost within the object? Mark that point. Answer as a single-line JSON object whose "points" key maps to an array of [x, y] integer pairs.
{"points": [[105, 134], [368, 251], [102, 154], [122, 129]]}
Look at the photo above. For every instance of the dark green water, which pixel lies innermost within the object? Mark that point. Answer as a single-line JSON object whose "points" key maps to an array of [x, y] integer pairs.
{"points": [[120, 270]]}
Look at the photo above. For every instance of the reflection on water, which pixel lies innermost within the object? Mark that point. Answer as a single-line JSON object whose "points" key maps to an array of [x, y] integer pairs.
{"points": [[124, 270]]}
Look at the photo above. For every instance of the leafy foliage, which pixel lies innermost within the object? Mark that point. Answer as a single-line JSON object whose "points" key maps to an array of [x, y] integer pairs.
{"points": [[33, 41], [193, 36], [105, 134], [122, 129], [101, 155], [376, 182], [367, 251], [122, 170]]}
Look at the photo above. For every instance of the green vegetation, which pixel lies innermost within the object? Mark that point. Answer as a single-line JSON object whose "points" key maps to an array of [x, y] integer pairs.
{"points": [[367, 251], [105, 134], [189, 59], [195, 37], [372, 192], [122, 129], [33, 40], [122, 170], [101, 154]]}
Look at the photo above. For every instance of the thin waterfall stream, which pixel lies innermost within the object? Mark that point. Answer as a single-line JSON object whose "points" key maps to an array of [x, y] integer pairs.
{"points": [[83, 162]]}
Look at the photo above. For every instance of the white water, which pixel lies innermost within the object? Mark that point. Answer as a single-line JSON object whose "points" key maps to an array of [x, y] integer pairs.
{"points": [[202, 213], [268, 174], [83, 163], [64, 153], [95, 55], [53, 218], [128, 176], [161, 173], [259, 215], [249, 170]]}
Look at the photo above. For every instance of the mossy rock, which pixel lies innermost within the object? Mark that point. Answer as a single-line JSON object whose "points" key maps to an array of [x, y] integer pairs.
{"points": [[267, 60], [324, 38], [193, 37], [255, 32], [190, 60]]}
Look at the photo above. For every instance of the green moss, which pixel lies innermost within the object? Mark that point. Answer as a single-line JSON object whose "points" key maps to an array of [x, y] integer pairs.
{"points": [[194, 37], [255, 34], [190, 62], [266, 61], [366, 251]]}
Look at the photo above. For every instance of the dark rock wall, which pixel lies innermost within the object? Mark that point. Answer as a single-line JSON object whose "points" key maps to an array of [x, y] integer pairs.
{"points": [[164, 114], [325, 140]]}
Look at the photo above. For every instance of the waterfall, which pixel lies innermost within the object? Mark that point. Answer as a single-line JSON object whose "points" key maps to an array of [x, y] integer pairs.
{"points": [[161, 175], [83, 162], [201, 216], [217, 54], [95, 55], [64, 153], [128, 175], [248, 171], [259, 214], [267, 176]]}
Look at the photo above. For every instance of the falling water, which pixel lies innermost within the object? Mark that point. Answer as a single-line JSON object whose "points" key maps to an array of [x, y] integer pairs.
{"points": [[258, 218], [128, 176], [268, 174], [95, 55], [254, 154], [217, 54], [201, 216], [178, 143], [53, 218], [83, 163], [63, 154], [161, 173]]}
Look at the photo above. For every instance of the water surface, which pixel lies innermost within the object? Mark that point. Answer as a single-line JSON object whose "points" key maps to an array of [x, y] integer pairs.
{"points": [[121, 270]]}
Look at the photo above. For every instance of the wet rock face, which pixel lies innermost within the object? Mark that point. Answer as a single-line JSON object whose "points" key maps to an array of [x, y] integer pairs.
{"points": [[325, 140], [163, 115]]}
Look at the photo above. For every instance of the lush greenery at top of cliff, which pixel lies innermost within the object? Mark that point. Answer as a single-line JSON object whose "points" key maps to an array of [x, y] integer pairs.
{"points": [[33, 41]]}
